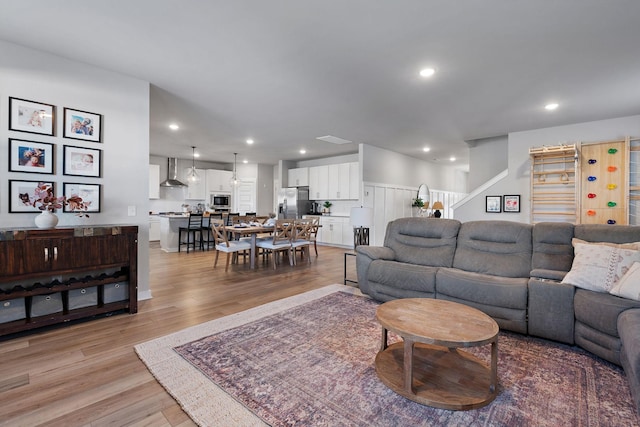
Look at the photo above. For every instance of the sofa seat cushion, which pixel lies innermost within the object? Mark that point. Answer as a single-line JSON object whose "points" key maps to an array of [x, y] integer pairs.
{"points": [[629, 329], [597, 342], [403, 276], [502, 298], [600, 311], [498, 291], [498, 248]]}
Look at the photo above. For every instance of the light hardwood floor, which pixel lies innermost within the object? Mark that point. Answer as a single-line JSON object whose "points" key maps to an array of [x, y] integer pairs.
{"points": [[87, 374]]}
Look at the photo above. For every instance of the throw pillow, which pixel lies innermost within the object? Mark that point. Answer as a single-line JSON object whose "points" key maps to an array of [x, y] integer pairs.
{"points": [[598, 267], [629, 285], [632, 245]]}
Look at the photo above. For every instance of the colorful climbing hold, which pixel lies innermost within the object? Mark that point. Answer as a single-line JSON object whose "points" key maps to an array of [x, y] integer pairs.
{"points": [[611, 221], [612, 150], [592, 178], [591, 212], [612, 186], [591, 195], [612, 168], [611, 204], [592, 161]]}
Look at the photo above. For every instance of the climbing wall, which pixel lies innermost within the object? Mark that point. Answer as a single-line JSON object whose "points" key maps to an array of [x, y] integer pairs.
{"points": [[604, 183]]}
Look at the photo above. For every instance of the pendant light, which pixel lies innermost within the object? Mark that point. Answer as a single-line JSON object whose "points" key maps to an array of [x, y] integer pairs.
{"points": [[192, 175], [234, 178]]}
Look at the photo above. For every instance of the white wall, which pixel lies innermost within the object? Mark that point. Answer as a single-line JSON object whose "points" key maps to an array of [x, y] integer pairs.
{"points": [[486, 156], [517, 180], [388, 167], [124, 104]]}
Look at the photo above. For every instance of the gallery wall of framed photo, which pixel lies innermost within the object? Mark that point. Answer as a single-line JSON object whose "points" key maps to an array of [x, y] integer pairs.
{"points": [[78, 143]]}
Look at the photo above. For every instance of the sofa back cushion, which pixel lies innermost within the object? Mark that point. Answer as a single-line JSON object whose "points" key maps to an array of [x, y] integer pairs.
{"points": [[552, 249], [607, 233], [423, 241], [499, 248]]}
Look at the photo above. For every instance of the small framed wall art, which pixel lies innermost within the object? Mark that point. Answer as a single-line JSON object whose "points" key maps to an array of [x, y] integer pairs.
{"points": [[31, 116], [89, 193], [81, 161], [31, 156], [82, 125], [494, 204], [511, 203], [22, 195]]}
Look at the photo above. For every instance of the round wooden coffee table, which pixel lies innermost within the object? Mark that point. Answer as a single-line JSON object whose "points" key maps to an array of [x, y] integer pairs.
{"points": [[427, 366]]}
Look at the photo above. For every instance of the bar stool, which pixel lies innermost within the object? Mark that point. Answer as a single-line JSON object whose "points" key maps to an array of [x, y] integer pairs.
{"points": [[207, 234], [193, 230]]}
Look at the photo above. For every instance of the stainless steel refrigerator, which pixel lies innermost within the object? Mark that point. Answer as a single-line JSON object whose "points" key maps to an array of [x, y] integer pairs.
{"points": [[293, 202]]}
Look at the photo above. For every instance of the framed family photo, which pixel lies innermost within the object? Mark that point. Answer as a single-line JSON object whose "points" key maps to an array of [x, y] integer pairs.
{"points": [[494, 204], [90, 194], [81, 161], [31, 156], [512, 203], [21, 194], [82, 125], [31, 116]]}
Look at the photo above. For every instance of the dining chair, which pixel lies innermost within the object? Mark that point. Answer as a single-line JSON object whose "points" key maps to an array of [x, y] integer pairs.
{"points": [[223, 244], [280, 241], [193, 232], [301, 238], [313, 233], [205, 230]]}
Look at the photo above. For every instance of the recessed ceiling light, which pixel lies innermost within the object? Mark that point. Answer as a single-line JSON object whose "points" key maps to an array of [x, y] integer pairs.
{"points": [[426, 149], [174, 126], [196, 154], [303, 151], [249, 141], [245, 161], [452, 159], [551, 106], [427, 72]]}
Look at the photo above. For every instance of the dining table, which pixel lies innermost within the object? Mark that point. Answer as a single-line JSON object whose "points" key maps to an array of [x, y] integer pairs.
{"points": [[239, 230], [252, 230]]}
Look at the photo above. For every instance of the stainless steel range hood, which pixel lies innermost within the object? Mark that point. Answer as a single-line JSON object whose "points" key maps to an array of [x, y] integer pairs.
{"points": [[172, 175]]}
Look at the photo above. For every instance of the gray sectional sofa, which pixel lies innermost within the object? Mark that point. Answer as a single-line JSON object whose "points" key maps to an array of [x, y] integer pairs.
{"points": [[511, 271]]}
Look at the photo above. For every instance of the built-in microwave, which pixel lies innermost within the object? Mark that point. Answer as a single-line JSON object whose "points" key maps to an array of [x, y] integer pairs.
{"points": [[221, 201]]}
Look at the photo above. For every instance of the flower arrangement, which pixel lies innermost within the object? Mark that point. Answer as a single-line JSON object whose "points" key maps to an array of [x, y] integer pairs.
{"points": [[418, 202], [44, 199]]}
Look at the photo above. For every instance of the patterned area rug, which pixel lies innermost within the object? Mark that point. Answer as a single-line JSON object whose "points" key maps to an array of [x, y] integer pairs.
{"points": [[311, 363]]}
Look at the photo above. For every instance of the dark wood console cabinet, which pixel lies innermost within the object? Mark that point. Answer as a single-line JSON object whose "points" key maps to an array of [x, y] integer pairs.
{"points": [[97, 264]]}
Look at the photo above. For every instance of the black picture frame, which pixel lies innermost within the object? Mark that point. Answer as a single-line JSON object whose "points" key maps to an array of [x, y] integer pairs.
{"points": [[91, 193], [31, 156], [82, 161], [493, 204], [511, 203], [31, 116], [82, 125], [20, 191]]}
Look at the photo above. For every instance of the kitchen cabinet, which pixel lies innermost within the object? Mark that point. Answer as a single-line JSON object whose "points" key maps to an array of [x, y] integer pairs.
{"points": [[59, 263], [335, 231], [339, 181], [154, 229], [298, 177], [154, 181], [218, 181], [354, 181], [318, 183], [196, 190]]}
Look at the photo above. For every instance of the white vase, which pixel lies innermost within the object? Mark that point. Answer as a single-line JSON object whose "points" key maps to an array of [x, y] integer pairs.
{"points": [[46, 219]]}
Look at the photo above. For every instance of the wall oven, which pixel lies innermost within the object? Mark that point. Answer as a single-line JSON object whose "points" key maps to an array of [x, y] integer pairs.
{"points": [[220, 201]]}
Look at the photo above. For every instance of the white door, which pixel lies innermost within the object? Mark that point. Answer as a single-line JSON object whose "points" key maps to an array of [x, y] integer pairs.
{"points": [[246, 197]]}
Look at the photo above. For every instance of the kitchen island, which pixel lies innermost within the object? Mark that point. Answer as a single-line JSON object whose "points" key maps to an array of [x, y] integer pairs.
{"points": [[169, 230]]}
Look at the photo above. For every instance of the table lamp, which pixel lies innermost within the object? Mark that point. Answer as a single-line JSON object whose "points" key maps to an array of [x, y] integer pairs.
{"points": [[437, 206], [361, 220]]}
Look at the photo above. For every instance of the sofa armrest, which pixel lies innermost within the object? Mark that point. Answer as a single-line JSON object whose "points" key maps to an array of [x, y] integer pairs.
{"points": [[541, 273], [376, 252], [365, 255]]}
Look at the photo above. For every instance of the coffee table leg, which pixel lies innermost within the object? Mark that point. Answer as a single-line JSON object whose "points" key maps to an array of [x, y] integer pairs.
{"points": [[383, 345], [493, 386], [408, 366]]}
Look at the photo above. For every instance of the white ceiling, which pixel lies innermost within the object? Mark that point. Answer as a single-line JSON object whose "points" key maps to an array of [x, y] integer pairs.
{"points": [[284, 72]]}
